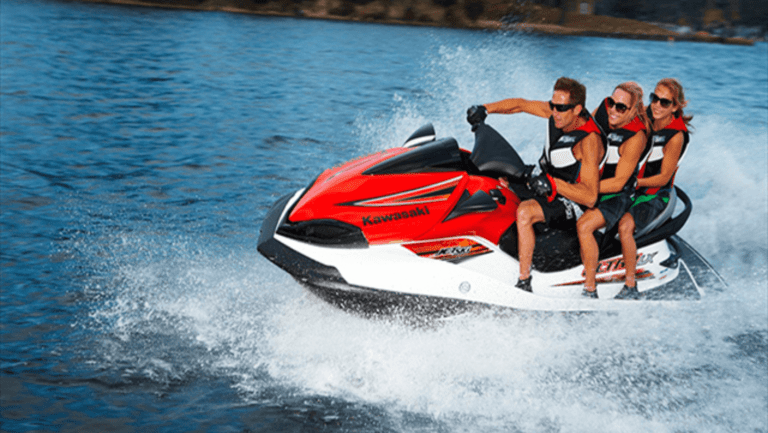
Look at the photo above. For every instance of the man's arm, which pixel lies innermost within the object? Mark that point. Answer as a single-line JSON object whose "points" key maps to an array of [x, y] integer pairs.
{"points": [[518, 105], [585, 191], [630, 156]]}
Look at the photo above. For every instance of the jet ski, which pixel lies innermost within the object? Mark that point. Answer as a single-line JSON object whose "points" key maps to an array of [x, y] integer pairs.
{"points": [[429, 227]]}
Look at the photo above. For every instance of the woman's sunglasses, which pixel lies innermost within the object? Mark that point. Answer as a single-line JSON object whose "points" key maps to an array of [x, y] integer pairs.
{"points": [[560, 107], [620, 107], [663, 101]]}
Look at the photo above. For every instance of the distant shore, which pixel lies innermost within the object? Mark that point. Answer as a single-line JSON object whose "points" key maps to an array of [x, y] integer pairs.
{"points": [[491, 16]]}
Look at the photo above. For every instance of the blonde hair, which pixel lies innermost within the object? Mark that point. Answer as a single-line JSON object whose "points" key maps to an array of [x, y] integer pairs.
{"points": [[676, 88], [636, 92]]}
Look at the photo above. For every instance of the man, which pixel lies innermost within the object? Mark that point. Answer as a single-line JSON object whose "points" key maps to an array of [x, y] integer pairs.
{"points": [[570, 164]]}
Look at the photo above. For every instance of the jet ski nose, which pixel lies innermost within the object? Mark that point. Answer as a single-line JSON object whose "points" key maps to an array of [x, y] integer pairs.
{"points": [[324, 232]]}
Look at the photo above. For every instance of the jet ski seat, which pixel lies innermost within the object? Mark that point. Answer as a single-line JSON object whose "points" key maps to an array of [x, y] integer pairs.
{"points": [[665, 215]]}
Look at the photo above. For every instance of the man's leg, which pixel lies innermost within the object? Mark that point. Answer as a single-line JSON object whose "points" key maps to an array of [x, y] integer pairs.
{"points": [[528, 213]]}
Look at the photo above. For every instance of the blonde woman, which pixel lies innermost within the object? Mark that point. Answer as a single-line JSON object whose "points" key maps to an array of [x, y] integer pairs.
{"points": [[668, 144], [623, 118]]}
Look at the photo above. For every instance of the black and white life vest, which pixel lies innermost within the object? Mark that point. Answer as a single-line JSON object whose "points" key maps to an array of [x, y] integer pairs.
{"points": [[615, 138], [558, 159], [656, 143]]}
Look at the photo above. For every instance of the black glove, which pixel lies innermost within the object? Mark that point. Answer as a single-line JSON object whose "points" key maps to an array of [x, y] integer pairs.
{"points": [[528, 173], [541, 185], [476, 115]]}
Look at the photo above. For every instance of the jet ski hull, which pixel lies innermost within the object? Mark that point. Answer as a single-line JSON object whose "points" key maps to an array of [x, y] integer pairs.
{"points": [[430, 227], [392, 279]]}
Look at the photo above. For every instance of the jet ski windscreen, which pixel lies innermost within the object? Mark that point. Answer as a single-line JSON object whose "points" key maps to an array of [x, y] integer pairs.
{"points": [[493, 155]]}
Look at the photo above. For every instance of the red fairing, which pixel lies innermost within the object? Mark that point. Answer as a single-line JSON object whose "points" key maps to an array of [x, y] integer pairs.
{"points": [[394, 208]]}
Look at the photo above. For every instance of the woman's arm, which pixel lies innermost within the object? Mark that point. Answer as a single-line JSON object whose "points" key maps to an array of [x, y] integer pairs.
{"points": [[630, 152], [672, 152]]}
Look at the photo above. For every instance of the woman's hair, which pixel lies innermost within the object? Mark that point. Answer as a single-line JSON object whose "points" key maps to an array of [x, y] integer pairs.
{"points": [[636, 92], [676, 88]]}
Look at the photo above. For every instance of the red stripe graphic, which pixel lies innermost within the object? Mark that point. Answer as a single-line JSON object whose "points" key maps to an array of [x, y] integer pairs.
{"points": [[428, 194]]}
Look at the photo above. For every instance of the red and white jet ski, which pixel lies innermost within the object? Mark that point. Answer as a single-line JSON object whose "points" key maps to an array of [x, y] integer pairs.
{"points": [[429, 226]]}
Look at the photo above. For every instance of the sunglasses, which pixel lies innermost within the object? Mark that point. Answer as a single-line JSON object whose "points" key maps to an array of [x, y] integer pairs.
{"points": [[560, 107], [620, 107], [663, 101]]}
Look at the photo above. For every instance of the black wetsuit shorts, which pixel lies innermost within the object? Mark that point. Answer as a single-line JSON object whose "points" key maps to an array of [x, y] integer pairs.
{"points": [[613, 207], [647, 207], [560, 212]]}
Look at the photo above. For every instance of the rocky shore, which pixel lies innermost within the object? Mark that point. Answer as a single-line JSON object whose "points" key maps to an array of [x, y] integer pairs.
{"points": [[469, 14]]}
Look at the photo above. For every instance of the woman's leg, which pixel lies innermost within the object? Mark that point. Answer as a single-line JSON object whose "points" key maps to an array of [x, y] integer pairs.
{"points": [[628, 248], [589, 222]]}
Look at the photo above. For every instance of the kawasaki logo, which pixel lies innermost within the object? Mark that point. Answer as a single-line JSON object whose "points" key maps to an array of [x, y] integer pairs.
{"points": [[378, 219], [566, 139]]}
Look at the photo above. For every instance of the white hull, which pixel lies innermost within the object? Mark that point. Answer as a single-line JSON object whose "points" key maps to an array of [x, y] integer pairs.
{"points": [[387, 275]]}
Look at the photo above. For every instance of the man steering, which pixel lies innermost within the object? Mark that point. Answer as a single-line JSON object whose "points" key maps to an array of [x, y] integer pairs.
{"points": [[570, 164]]}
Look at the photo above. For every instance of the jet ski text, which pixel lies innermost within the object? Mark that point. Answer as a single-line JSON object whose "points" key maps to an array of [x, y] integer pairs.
{"points": [[372, 220], [617, 264]]}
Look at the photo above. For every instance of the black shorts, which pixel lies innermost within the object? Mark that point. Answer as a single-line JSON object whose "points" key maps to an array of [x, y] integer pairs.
{"points": [[560, 212], [647, 207], [613, 207]]}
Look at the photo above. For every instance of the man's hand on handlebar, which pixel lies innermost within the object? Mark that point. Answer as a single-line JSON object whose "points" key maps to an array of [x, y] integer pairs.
{"points": [[476, 115]]}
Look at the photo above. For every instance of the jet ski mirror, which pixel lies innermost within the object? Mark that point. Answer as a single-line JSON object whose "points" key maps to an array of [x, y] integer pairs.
{"points": [[424, 134]]}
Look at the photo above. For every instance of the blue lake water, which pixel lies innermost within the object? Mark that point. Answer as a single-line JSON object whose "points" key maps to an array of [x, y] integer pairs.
{"points": [[140, 149]]}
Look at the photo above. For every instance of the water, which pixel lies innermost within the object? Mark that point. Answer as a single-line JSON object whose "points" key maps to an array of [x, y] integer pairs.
{"points": [[141, 148]]}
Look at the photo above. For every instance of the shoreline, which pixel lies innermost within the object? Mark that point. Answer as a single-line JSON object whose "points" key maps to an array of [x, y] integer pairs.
{"points": [[578, 25], [671, 37]]}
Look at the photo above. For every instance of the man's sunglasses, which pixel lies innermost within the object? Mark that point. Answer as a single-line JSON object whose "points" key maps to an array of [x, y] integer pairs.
{"points": [[663, 101], [560, 107], [620, 106]]}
